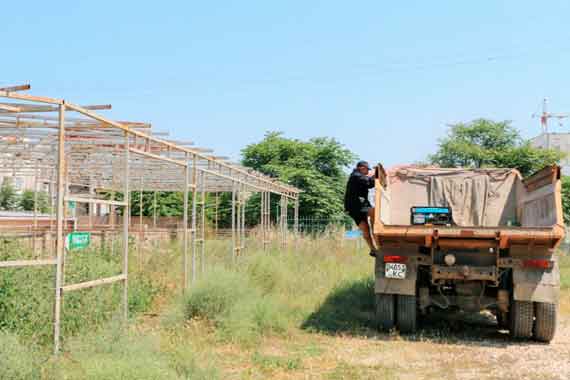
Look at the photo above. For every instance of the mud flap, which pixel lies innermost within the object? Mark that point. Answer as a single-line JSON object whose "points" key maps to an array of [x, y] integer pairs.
{"points": [[537, 285], [385, 285]]}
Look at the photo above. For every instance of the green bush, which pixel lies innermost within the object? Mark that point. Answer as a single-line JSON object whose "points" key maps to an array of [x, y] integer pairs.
{"points": [[236, 305], [27, 295]]}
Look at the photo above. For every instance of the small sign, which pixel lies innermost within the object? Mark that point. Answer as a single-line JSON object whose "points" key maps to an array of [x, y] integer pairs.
{"points": [[78, 240], [353, 234], [71, 205]]}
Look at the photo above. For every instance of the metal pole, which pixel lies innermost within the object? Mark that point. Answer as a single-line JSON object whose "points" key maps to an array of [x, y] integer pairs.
{"points": [[34, 245], [185, 225], [140, 234], [194, 201], [154, 208], [242, 205], [216, 220], [126, 215], [59, 244], [284, 219], [233, 220], [296, 216], [203, 221]]}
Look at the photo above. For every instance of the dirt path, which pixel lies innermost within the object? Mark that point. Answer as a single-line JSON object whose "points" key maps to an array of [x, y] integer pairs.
{"points": [[462, 349], [478, 352]]}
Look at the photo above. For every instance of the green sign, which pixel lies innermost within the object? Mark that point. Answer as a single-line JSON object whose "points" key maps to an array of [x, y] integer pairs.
{"points": [[78, 240]]}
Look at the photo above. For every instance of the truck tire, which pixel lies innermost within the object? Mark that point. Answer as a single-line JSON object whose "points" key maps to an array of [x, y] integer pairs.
{"points": [[385, 311], [545, 324], [522, 318], [407, 314]]}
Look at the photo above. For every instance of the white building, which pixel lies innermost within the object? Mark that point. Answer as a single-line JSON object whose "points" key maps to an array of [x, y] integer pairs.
{"points": [[558, 141]]}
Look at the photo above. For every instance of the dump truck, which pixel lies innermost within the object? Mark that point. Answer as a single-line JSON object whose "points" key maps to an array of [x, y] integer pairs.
{"points": [[468, 240]]}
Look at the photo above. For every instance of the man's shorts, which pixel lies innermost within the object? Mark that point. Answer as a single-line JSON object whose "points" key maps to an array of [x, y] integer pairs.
{"points": [[359, 215]]}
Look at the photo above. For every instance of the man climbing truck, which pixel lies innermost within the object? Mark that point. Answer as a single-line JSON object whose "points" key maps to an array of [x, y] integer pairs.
{"points": [[470, 240]]}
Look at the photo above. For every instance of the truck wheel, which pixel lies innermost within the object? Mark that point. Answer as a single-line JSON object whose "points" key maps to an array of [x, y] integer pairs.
{"points": [[545, 324], [406, 314], [385, 311], [522, 318]]}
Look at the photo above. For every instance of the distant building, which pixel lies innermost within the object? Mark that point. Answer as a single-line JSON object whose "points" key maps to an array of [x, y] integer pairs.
{"points": [[558, 141]]}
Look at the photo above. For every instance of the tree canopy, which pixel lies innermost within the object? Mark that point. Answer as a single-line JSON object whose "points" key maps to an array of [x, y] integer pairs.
{"points": [[316, 166], [486, 143]]}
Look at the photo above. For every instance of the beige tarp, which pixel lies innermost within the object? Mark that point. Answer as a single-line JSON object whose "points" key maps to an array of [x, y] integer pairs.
{"points": [[478, 197]]}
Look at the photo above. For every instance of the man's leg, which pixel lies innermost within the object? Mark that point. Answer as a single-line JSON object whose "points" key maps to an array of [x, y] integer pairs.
{"points": [[365, 228], [371, 216]]}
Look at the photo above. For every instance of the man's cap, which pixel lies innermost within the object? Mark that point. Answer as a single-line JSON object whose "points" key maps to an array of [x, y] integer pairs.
{"points": [[363, 163]]}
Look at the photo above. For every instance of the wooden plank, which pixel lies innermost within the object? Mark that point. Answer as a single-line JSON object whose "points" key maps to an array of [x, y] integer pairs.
{"points": [[9, 108], [157, 157], [378, 225], [95, 201], [93, 283], [30, 98], [26, 263], [543, 177], [22, 87]]}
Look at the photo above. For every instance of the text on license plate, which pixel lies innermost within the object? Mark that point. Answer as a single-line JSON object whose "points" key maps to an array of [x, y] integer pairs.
{"points": [[395, 270]]}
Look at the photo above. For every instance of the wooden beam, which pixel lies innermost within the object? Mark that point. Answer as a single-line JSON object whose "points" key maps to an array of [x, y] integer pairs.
{"points": [[157, 157], [93, 283], [26, 263], [95, 201], [22, 87]]}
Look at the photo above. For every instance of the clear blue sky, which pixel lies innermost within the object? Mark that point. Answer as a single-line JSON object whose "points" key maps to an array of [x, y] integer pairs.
{"points": [[383, 77]]}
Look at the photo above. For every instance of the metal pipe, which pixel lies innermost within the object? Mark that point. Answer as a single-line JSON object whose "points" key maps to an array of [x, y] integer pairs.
{"points": [[126, 216], [59, 244], [185, 226], [194, 200]]}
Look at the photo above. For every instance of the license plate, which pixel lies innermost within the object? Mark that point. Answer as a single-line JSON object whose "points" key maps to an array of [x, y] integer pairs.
{"points": [[395, 270]]}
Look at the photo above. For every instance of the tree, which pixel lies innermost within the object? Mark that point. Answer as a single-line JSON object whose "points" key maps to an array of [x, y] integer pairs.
{"points": [[316, 166], [8, 196], [486, 143], [26, 201]]}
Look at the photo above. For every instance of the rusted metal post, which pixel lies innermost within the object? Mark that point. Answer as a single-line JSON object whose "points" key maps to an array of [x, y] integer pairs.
{"points": [[59, 244]]}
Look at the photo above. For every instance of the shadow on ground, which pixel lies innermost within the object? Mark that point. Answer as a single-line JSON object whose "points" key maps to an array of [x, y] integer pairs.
{"points": [[349, 310]]}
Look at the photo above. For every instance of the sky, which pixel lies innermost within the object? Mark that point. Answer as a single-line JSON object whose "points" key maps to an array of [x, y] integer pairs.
{"points": [[385, 78]]}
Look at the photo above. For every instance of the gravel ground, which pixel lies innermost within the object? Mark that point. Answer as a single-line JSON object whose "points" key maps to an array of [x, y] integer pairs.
{"points": [[464, 349]]}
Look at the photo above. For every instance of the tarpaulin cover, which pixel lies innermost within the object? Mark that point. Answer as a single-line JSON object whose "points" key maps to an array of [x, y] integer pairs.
{"points": [[477, 197]]}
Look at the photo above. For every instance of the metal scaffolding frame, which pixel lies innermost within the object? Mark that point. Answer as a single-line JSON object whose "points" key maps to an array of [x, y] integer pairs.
{"points": [[88, 159]]}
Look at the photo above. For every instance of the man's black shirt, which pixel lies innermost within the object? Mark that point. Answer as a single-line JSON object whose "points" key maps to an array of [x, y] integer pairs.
{"points": [[356, 196]]}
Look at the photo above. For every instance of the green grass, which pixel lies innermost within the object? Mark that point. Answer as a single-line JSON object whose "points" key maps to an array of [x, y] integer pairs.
{"points": [[264, 295], [245, 318]]}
